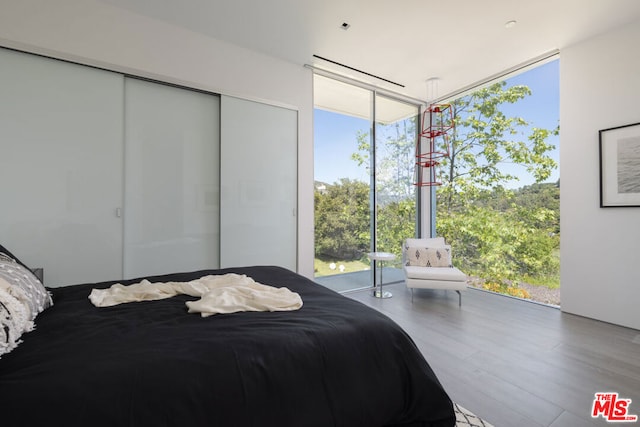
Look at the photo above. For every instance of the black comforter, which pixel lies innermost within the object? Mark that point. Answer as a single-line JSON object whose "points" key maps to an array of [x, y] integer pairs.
{"points": [[334, 362]]}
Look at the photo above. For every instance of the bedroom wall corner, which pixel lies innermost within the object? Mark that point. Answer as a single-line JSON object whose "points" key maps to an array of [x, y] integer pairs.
{"points": [[600, 247]]}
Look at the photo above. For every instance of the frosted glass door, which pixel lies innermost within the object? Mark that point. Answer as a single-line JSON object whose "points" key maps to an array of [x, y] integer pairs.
{"points": [[172, 140], [259, 184], [61, 167]]}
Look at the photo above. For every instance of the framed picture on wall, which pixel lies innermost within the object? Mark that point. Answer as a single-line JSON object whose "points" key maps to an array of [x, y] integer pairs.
{"points": [[620, 166]]}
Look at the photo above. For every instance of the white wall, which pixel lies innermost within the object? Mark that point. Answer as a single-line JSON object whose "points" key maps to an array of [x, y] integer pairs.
{"points": [[93, 33], [600, 248]]}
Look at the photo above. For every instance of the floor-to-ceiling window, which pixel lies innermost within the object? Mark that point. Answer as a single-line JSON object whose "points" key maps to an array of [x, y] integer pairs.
{"points": [[365, 199], [395, 195], [499, 202]]}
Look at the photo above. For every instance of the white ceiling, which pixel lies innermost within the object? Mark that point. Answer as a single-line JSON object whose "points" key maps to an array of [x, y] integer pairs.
{"points": [[461, 42]]}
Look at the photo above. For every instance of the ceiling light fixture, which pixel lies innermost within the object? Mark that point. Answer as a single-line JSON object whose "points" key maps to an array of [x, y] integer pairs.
{"points": [[510, 24]]}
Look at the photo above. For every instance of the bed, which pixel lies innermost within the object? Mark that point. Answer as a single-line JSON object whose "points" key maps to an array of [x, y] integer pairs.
{"points": [[333, 362]]}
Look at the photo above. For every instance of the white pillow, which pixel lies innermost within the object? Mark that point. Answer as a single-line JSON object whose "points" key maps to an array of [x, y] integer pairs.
{"points": [[22, 298], [15, 318], [26, 286], [421, 256]]}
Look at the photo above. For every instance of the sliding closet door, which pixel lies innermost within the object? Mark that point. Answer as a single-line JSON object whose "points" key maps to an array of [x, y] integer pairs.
{"points": [[172, 161], [61, 167], [259, 184]]}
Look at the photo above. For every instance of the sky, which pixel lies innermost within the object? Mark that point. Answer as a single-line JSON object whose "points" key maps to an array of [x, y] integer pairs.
{"points": [[334, 143], [335, 134]]}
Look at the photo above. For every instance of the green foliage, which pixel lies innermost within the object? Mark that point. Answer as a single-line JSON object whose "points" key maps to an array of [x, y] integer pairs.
{"points": [[503, 246], [395, 192], [483, 140], [498, 234], [342, 220], [501, 235], [396, 222]]}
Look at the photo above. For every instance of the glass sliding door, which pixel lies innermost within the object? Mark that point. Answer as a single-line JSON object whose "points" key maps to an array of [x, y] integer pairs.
{"points": [[61, 167], [364, 195], [172, 140], [343, 122], [396, 128], [259, 157], [395, 196]]}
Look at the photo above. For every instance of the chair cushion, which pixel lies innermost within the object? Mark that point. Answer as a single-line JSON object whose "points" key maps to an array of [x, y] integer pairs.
{"points": [[435, 273], [436, 284]]}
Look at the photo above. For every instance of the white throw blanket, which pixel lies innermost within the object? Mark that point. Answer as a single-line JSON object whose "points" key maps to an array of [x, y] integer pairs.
{"points": [[227, 293]]}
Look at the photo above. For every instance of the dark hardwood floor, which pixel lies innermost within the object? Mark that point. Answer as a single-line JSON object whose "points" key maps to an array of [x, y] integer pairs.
{"points": [[517, 363]]}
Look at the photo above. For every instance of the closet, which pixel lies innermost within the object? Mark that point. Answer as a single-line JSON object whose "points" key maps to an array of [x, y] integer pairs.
{"points": [[107, 176], [172, 179], [259, 186]]}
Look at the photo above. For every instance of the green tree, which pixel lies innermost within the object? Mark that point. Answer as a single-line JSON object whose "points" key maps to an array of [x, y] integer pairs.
{"points": [[395, 145], [342, 220], [502, 246], [532, 197], [484, 139], [395, 193], [492, 236], [396, 222], [496, 233]]}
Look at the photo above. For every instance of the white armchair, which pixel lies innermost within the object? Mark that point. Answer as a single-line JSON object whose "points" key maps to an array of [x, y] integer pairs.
{"points": [[427, 265]]}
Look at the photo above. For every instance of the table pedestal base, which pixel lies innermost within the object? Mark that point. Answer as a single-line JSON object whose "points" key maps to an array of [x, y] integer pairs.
{"points": [[382, 294]]}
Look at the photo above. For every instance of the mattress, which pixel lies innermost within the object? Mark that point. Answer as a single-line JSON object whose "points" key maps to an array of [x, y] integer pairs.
{"points": [[333, 362]]}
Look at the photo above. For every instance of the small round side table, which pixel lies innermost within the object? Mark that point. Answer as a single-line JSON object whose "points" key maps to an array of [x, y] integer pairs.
{"points": [[380, 257]]}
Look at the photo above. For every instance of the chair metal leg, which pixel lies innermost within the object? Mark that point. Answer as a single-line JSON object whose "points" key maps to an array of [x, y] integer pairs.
{"points": [[459, 297]]}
